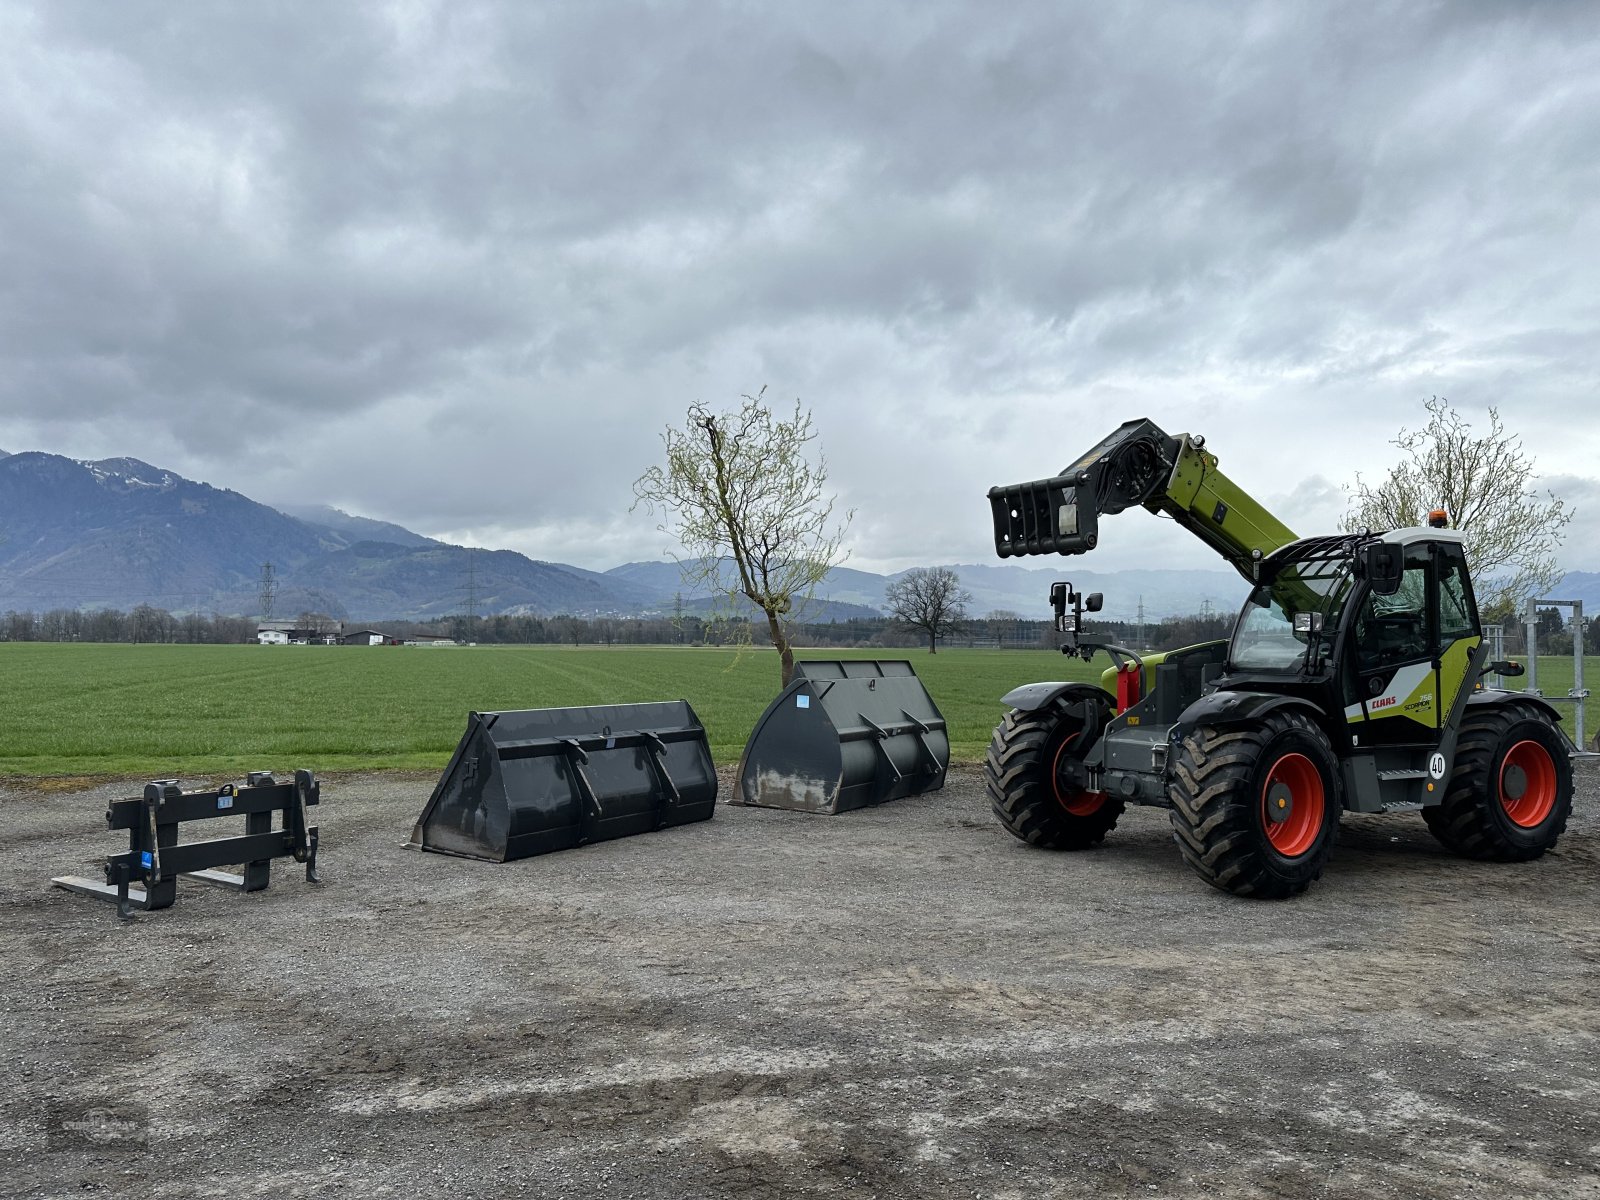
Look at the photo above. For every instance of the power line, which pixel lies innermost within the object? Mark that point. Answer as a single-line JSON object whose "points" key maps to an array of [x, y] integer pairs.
{"points": [[269, 592], [470, 601]]}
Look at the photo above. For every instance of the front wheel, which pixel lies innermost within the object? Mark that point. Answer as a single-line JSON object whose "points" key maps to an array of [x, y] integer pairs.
{"points": [[1510, 791], [1027, 773], [1255, 809]]}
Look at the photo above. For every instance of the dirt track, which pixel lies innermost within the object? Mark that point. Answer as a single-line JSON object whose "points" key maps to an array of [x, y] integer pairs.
{"points": [[894, 1002]]}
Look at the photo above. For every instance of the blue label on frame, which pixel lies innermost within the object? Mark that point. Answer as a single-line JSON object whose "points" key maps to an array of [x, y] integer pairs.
{"points": [[224, 802], [802, 701], [144, 859]]}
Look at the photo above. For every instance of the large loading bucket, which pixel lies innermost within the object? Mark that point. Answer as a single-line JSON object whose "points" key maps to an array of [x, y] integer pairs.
{"points": [[541, 779], [843, 735]]}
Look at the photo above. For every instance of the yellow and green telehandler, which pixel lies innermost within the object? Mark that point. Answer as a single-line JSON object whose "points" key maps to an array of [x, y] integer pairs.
{"points": [[1352, 682]]}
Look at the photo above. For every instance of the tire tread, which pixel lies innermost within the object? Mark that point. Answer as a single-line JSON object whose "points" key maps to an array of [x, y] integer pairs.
{"points": [[1023, 798], [1212, 807], [1464, 821]]}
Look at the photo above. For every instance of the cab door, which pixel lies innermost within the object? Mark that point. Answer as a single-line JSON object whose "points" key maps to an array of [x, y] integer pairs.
{"points": [[1392, 680], [1459, 632]]}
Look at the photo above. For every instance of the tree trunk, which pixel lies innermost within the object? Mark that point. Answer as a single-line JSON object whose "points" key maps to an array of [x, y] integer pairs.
{"points": [[933, 641], [780, 639]]}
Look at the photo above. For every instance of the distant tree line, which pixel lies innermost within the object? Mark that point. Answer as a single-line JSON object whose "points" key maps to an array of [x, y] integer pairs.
{"points": [[145, 623], [685, 630], [1004, 630]]}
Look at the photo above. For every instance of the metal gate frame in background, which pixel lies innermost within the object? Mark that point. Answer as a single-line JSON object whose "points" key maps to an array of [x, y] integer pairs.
{"points": [[1495, 635], [1578, 693]]}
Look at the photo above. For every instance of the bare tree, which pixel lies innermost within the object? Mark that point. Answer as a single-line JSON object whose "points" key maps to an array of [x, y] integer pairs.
{"points": [[930, 599], [749, 510], [570, 628], [1485, 484], [149, 623], [1003, 623]]}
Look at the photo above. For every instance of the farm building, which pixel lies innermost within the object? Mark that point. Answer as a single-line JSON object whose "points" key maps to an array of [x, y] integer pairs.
{"points": [[370, 637], [429, 639], [291, 633]]}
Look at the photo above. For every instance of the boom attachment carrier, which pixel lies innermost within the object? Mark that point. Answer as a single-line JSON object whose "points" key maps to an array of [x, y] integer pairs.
{"points": [[1139, 464]]}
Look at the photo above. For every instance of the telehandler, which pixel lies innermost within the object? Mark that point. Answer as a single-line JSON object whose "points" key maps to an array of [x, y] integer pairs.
{"points": [[1352, 681]]}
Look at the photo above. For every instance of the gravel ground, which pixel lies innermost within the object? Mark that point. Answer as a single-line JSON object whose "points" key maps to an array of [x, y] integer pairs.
{"points": [[902, 1001]]}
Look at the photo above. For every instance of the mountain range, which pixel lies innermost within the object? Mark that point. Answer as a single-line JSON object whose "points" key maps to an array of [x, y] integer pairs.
{"points": [[116, 533]]}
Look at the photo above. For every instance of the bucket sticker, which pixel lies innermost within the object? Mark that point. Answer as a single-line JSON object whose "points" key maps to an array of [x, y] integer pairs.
{"points": [[145, 860], [224, 802], [1436, 766], [802, 701]]}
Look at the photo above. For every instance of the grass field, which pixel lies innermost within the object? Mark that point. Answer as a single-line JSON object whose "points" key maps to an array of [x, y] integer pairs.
{"points": [[85, 710], [94, 710]]}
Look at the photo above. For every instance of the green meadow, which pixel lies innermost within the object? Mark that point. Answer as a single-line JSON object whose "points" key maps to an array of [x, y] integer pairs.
{"points": [[152, 710], [156, 710]]}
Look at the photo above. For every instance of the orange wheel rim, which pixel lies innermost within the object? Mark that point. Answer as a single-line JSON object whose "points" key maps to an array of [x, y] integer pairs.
{"points": [[1079, 804], [1527, 784], [1293, 803]]}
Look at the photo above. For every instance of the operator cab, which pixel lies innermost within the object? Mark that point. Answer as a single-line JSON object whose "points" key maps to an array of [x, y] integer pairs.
{"points": [[1382, 626], [1411, 649]]}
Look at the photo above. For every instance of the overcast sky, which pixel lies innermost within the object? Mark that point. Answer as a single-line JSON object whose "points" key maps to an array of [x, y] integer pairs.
{"points": [[458, 264]]}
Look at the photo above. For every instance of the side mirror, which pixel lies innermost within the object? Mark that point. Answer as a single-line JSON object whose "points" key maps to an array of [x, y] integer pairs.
{"points": [[1384, 564], [1308, 622], [1508, 668], [1094, 602]]}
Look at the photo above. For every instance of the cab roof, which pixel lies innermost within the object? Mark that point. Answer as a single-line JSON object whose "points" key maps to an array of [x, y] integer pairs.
{"points": [[1342, 547], [1422, 533]]}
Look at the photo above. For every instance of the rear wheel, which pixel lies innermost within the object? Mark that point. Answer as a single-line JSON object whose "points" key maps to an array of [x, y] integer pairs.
{"points": [[1255, 810], [1024, 774], [1510, 791]]}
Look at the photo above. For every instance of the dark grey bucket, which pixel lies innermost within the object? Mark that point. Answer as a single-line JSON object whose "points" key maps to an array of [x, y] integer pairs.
{"points": [[845, 734], [535, 780]]}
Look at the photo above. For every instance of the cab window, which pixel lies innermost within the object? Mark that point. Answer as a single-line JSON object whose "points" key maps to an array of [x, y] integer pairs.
{"points": [[1394, 629], [1457, 616], [1265, 637]]}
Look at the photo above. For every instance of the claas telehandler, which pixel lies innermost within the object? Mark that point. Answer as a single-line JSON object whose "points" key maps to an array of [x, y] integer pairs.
{"points": [[1352, 682]]}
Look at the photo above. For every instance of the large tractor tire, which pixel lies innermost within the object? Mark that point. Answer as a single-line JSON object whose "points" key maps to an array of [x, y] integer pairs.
{"points": [[1255, 810], [1510, 792], [1027, 793]]}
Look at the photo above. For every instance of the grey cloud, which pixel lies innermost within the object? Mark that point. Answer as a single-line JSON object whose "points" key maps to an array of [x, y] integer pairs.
{"points": [[411, 248], [1581, 546]]}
